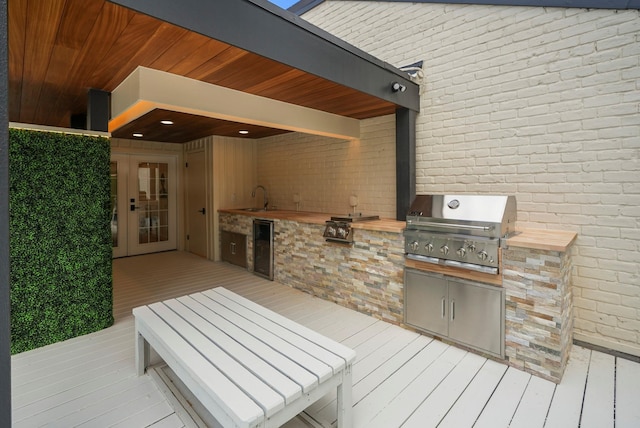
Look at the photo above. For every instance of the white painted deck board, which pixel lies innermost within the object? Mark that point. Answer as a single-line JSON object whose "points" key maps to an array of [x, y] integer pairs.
{"points": [[372, 359], [367, 378], [599, 400], [368, 408], [628, 391], [471, 402], [505, 399], [534, 405], [566, 406], [418, 391], [91, 379], [364, 335], [435, 407]]}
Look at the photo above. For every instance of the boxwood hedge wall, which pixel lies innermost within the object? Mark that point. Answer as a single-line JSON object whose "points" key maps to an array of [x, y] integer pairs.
{"points": [[60, 238]]}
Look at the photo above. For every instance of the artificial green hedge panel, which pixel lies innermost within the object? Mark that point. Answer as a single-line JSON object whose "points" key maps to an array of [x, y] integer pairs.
{"points": [[60, 238]]}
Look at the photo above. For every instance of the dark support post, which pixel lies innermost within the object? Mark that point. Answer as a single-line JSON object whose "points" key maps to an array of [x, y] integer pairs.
{"points": [[5, 306], [405, 161], [98, 110]]}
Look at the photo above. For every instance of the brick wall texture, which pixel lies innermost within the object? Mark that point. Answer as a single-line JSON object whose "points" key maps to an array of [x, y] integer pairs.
{"points": [[542, 103], [326, 172]]}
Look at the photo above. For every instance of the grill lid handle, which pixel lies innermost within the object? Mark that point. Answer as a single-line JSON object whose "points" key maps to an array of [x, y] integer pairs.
{"points": [[453, 225]]}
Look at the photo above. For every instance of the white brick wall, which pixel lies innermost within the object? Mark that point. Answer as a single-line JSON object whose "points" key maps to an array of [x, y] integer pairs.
{"points": [[543, 103], [325, 172]]}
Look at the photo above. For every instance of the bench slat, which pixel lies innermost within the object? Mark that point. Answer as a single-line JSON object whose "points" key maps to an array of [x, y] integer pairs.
{"points": [[321, 370], [330, 345], [295, 338], [265, 397], [245, 357], [200, 375], [298, 374]]}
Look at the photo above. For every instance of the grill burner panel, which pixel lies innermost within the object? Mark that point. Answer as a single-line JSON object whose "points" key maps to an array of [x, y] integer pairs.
{"points": [[459, 230], [458, 248], [339, 228]]}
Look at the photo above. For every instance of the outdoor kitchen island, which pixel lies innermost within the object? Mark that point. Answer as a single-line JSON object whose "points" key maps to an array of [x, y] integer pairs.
{"points": [[367, 276]]}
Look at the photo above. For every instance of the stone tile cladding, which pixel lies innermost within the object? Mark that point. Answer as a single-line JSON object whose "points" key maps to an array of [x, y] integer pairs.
{"points": [[366, 276], [539, 310]]}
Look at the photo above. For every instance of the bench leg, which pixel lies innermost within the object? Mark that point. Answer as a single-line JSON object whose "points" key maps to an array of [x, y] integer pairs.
{"points": [[345, 400], [142, 354]]}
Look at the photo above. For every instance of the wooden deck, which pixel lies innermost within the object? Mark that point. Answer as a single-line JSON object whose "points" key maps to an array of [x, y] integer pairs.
{"points": [[400, 378]]}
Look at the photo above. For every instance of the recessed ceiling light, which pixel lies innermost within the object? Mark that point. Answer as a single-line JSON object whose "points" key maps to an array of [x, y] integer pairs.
{"points": [[166, 122], [137, 134], [243, 132]]}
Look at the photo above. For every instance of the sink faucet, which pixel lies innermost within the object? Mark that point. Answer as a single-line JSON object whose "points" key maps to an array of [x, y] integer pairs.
{"points": [[266, 200]]}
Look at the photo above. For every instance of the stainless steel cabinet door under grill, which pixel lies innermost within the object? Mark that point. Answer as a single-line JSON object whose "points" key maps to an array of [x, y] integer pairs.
{"points": [[425, 302], [476, 315], [466, 312]]}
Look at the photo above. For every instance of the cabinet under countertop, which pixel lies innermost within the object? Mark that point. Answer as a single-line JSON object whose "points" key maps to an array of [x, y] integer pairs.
{"points": [[234, 248]]}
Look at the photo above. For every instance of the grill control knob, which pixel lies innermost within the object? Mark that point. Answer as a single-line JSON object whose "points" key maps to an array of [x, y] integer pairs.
{"points": [[414, 246], [428, 248], [444, 250], [471, 247], [482, 255], [461, 252]]}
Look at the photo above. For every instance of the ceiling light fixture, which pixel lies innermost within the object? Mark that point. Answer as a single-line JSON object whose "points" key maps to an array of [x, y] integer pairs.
{"points": [[137, 134], [243, 132], [166, 122]]}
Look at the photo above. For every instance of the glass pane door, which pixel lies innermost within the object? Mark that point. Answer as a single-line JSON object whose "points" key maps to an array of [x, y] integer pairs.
{"points": [[152, 204], [143, 204]]}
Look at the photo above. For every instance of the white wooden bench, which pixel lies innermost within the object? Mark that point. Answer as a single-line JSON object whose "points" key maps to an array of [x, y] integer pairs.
{"points": [[248, 366]]}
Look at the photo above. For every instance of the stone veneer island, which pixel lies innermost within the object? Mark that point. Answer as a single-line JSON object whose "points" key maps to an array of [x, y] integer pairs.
{"points": [[367, 276]]}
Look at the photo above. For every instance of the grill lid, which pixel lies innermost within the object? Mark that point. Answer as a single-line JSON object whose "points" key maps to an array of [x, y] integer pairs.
{"points": [[480, 215]]}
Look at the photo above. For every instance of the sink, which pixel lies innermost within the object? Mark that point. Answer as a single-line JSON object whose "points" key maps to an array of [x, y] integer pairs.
{"points": [[253, 210]]}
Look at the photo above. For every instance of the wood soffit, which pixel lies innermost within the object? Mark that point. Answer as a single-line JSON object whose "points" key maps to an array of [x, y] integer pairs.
{"points": [[59, 49]]}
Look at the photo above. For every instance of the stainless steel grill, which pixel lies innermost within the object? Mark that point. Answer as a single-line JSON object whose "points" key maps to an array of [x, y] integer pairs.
{"points": [[459, 230]]}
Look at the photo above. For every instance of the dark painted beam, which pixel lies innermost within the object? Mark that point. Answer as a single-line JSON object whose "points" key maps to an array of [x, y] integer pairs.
{"points": [[5, 319], [267, 30], [405, 161]]}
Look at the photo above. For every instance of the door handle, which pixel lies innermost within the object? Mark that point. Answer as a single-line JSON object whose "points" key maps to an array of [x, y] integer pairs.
{"points": [[453, 310], [201, 211], [444, 307], [233, 248]]}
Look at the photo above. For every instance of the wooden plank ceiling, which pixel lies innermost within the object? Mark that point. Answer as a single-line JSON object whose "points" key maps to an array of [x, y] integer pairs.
{"points": [[59, 49]]}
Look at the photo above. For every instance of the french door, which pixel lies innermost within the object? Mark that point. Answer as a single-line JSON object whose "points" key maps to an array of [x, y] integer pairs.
{"points": [[143, 204]]}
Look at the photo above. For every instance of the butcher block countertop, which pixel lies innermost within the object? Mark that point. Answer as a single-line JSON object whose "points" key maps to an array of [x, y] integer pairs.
{"points": [[382, 225], [543, 239], [539, 239]]}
